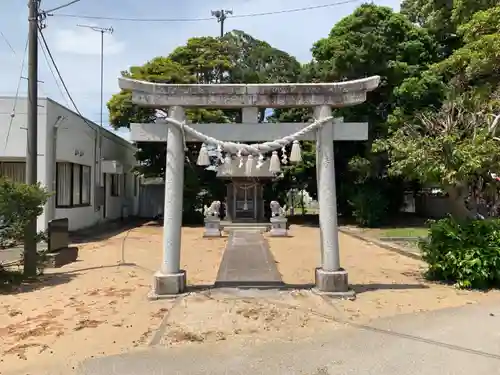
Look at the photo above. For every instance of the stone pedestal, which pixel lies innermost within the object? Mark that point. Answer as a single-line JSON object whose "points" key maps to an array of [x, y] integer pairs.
{"points": [[278, 226], [333, 283], [168, 285], [212, 227]]}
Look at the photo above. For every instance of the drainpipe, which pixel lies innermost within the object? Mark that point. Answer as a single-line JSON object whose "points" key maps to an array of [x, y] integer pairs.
{"points": [[97, 172], [50, 171]]}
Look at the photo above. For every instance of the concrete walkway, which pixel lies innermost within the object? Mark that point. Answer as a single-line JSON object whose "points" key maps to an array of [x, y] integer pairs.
{"points": [[248, 262], [14, 254], [447, 342]]}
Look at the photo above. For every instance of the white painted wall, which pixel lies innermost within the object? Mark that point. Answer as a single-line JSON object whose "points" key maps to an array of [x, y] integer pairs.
{"points": [[73, 140], [13, 135]]}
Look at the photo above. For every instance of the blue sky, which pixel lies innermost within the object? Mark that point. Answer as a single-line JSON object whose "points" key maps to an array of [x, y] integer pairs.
{"points": [[76, 50]]}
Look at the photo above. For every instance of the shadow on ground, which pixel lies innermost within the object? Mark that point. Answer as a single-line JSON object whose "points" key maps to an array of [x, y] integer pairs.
{"points": [[159, 223], [363, 288], [11, 282], [116, 265], [358, 288], [106, 230], [402, 220]]}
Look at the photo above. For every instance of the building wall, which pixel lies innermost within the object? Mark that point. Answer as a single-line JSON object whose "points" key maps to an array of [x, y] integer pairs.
{"points": [[77, 143], [13, 136], [65, 137], [432, 206], [152, 200]]}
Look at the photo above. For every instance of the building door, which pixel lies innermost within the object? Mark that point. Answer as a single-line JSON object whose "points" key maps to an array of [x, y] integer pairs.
{"points": [[245, 201]]}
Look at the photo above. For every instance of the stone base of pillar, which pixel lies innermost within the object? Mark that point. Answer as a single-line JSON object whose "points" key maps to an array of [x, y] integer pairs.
{"points": [[212, 227], [168, 285], [278, 227], [333, 284]]}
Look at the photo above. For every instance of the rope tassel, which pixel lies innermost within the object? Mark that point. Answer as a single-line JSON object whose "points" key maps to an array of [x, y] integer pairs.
{"points": [[203, 158], [274, 164], [228, 165], [249, 165], [295, 154], [260, 161]]}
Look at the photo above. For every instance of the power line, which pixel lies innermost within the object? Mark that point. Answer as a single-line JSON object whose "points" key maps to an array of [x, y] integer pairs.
{"points": [[8, 43], [51, 58], [13, 113], [62, 6], [134, 19], [42, 47]]}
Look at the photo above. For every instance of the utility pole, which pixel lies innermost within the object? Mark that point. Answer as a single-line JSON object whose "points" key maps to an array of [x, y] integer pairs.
{"points": [[221, 16], [102, 30], [30, 251]]}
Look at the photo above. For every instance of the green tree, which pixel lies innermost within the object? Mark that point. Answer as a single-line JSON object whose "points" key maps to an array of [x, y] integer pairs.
{"points": [[475, 66], [255, 61], [443, 18], [235, 58], [471, 69], [449, 148], [373, 40]]}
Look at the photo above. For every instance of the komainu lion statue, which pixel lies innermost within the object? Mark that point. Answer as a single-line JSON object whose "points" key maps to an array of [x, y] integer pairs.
{"points": [[277, 210], [213, 210]]}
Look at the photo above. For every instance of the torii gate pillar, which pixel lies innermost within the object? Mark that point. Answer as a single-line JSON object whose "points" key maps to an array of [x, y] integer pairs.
{"points": [[330, 277], [170, 279]]}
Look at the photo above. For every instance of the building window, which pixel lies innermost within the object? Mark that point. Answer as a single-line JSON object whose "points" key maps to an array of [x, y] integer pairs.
{"points": [[73, 185], [64, 185], [86, 184], [14, 171], [77, 192], [115, 185]]}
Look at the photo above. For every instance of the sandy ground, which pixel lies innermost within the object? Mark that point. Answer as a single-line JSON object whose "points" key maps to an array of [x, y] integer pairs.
{"points": [[98, 307], [386, 283], [95, 306]]}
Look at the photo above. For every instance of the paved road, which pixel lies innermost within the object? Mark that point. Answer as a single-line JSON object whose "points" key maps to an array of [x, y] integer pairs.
{"points": [[10, 255], [447, 342], [16, 253]]}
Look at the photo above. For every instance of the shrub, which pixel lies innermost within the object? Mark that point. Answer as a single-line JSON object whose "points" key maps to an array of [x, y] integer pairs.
{"points": [[466, 253], [18, 203]]}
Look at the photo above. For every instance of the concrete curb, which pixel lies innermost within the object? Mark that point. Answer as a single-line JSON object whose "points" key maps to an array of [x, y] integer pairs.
{"points": [[388, 246]]}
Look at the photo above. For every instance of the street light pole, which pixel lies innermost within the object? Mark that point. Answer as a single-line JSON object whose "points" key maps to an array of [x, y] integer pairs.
{"points": [[102, 30], [221, 16]]}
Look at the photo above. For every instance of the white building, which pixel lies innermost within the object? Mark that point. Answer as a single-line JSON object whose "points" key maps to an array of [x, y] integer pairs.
{"points": [[68, 163]]}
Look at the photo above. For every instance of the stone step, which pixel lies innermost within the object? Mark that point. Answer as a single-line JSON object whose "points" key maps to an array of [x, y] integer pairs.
{"points": [[259, 230], [255, 227]]}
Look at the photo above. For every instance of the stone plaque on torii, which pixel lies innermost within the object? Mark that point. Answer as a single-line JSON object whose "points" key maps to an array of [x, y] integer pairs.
{"points": [[329, 276]]}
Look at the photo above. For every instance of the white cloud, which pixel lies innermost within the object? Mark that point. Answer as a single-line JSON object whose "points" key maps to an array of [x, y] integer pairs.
{"points": [[84, 41]]}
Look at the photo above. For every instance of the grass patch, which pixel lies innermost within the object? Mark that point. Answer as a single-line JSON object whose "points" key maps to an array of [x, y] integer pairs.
{"points": [[403, 232]]}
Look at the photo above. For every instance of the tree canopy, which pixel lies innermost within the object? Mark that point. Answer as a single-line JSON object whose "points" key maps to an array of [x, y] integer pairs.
{"points": [[429, 56]]}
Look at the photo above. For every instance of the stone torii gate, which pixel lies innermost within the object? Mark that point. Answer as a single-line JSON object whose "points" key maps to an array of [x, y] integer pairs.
{"points": [[329, 277]]}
